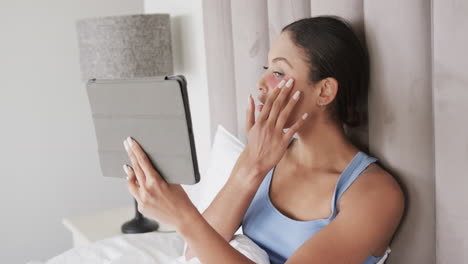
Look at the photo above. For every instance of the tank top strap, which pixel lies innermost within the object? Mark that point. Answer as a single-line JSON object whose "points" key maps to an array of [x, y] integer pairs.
{"points": [[357, 166]]}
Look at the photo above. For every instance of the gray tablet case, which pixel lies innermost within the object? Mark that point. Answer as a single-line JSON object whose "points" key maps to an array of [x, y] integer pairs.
{"points": [[155, 112]]}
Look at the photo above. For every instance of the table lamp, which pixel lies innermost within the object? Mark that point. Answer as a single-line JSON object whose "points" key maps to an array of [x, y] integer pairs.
{"points": [[123, 47]]}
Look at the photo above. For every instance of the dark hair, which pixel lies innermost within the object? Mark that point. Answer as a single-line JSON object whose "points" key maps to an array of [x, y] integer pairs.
{"points": [[333, 50]]}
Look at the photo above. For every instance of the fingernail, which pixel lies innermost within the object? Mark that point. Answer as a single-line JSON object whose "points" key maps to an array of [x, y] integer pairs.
{"points": [[289, 83], [125, 168], [130, 141], [280, 84], [304, 116], [248, 100], [296, 95], [126, 178], [125, 145]]}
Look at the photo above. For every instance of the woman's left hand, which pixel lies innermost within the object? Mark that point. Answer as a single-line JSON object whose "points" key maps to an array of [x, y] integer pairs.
{"points": [[164, 202]]}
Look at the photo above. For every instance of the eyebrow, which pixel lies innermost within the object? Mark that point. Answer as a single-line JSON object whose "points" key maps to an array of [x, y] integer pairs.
{"points": [[282, 59]]}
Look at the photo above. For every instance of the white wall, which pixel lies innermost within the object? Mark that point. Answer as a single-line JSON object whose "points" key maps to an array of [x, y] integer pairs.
{"points": [[48, 161], [189, 60]]}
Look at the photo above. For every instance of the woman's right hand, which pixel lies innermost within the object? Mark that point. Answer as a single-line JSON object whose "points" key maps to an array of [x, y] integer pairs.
{"points": [[267, 142]]}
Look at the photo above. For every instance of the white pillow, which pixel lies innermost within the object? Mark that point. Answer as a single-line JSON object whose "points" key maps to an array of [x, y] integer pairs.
{"points": [[224, 153]]}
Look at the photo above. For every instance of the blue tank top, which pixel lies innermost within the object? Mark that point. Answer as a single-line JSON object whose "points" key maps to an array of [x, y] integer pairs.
{"points": [[279, 235]]}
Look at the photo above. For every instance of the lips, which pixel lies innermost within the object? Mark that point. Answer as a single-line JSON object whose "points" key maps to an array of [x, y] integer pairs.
{"points": [[261, 103]]}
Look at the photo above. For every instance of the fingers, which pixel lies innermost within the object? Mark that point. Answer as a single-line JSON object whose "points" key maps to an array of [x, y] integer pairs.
{"points": [[286, 112], [143, 161], [141, 156], [250, 115], [133, 186], [130, 174], [269, 102], [279, 102], [138, 171], [293, 129]]}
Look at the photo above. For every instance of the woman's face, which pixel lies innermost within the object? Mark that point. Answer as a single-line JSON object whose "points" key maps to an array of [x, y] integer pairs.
{"points": [[286, 60]]}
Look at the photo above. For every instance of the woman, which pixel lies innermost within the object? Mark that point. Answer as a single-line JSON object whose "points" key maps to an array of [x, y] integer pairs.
{"points": [[312, 199]]}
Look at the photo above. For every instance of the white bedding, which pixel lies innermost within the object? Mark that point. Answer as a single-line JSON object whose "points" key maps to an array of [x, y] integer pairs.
{"points": [[154, 248], [131, 248]]}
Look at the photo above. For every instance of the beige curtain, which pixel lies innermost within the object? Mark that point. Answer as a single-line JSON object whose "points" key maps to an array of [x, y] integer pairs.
{"points": [[416, 107]]}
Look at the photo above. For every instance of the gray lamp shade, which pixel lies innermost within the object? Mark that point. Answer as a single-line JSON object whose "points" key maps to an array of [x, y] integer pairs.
{"points": [[118, 47]]}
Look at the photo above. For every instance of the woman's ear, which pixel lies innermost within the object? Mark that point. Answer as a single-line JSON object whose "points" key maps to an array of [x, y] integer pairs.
{"points": [[328, 88]]}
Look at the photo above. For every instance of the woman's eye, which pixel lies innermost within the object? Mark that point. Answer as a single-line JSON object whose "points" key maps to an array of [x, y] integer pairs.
{"points": [[278, 74]]}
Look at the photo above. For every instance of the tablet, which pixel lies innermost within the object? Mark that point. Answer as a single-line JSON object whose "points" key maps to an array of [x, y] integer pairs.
{"points": [[153, 111]]}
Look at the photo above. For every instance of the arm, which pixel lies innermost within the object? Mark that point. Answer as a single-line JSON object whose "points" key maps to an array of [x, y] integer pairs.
{"points": [[169, 203], [370, 211], [267, 144], [230, 204]]}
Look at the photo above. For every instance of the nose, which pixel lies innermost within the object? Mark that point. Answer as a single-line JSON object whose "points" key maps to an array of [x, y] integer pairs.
{"points": [[261, 85]]}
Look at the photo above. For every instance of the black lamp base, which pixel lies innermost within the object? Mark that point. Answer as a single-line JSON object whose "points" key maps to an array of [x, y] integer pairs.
{"points": [[142, 225], [139, 224]]}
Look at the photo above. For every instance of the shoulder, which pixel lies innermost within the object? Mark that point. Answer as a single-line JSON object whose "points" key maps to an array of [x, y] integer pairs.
{"points": [[376, 190], [369, 213]]}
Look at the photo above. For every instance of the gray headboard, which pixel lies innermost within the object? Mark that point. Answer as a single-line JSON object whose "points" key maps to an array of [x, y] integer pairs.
{"points": [[418, 84]]}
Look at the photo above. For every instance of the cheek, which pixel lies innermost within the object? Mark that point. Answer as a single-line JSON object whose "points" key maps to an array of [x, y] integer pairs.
{"points": [[272, 82]]}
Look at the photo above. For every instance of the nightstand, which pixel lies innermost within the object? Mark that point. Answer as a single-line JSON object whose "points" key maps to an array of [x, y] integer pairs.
{"points": [[86, 229]]}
